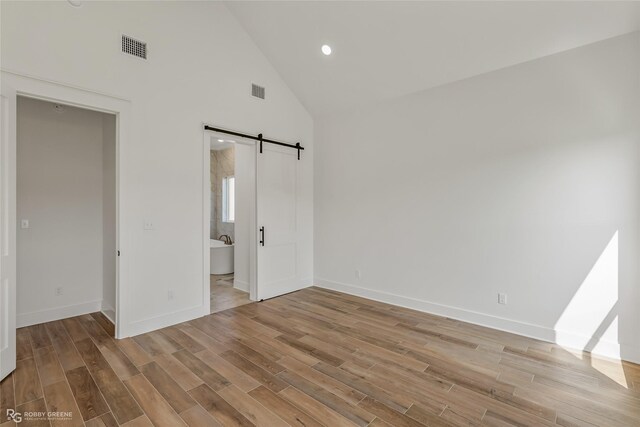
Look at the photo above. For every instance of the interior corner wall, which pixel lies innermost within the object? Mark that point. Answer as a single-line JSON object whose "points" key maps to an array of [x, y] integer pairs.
{"points": [[524, 181], [109, 210], [60, 193], [185, 81]]}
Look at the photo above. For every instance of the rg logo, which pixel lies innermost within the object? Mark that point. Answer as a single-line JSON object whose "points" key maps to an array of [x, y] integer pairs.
{"points": [[14, 416]]}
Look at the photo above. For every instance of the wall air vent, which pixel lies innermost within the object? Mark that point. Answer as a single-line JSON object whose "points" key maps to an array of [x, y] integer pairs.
{"points": [[257, 91], [134, 47]]}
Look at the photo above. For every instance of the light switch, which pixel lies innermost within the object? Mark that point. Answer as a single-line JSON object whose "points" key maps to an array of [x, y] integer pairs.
{"points": [[24, 223]]}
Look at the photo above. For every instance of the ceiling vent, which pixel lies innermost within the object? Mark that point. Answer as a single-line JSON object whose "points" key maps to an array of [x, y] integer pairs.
{"points": [[257, 91], [134, 47]]}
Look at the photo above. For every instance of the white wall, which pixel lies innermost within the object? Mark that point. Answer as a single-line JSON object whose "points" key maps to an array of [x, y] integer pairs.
{"points": [[245, 173], [200, 69], [109, 221], [523, 181], [60, 193]]}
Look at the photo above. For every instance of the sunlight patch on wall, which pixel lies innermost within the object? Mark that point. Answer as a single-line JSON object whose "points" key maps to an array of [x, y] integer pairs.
{"points": [[590, 320], [592, 303]]}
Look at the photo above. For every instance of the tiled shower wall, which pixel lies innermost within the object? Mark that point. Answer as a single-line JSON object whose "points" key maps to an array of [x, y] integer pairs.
{"points": [[222, 165]]}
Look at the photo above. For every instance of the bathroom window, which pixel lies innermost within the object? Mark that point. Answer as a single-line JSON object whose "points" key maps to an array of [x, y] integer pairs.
{"points": [[228, 199]]}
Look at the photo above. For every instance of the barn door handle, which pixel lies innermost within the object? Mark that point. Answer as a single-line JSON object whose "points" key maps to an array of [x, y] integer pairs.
{"points": [[262, 236]]}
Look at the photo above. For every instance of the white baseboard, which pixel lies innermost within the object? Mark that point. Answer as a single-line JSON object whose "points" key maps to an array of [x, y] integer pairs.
{"points": [[159, 322], [109, 312], [105, 306], [241, 285], [566, 339], [49, 315]]}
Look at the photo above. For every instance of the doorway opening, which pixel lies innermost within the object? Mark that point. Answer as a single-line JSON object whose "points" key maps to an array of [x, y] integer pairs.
{"points": [[67, 213], [268, 217], [231, 178]]}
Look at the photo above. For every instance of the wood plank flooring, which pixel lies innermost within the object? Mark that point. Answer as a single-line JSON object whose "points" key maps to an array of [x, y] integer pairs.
{"points": [[313, 358], [223, 295]]}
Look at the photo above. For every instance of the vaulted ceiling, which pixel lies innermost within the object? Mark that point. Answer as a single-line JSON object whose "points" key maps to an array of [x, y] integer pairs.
{"points": [[388, 49]]}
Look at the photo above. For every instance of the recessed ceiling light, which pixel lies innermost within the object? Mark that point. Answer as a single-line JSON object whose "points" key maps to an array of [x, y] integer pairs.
{"points": [[221, 140], [326, 49]]}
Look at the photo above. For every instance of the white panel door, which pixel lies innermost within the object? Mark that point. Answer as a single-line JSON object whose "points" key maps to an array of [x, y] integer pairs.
{"points": [[7, 231], [277, 221]]}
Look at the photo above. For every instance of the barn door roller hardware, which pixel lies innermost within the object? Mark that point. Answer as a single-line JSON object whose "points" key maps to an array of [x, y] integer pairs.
{"points": [[258, 138]]}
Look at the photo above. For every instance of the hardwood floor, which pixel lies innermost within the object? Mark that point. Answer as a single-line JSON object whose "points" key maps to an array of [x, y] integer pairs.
{"points": [[223, 295], [313, 358]]}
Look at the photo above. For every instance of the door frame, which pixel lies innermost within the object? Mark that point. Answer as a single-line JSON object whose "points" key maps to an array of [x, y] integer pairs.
{"points": [[206, 216], [7, 235], [46, 90]]}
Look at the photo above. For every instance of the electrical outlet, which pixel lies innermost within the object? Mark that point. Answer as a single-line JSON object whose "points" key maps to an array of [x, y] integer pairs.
{"points": [[58, 291], [358, 274], [148, 225], [502, 299], [24, 223]]}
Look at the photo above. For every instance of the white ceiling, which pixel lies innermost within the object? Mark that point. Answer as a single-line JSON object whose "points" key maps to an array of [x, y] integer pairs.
{"points": [[390, 49], [217, 142]]}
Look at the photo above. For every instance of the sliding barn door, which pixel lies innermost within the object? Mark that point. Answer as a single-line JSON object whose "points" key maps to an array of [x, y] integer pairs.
{"points": [[277, 219], [7, 231]]}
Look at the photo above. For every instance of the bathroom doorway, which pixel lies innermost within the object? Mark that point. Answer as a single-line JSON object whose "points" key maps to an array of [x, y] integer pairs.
{"points": [[231, 182], [269, 232], [66, 213]]}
